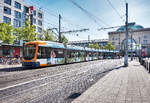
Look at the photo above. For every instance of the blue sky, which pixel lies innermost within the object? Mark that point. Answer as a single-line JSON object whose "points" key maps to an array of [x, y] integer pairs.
{"points": [[74, 19]]}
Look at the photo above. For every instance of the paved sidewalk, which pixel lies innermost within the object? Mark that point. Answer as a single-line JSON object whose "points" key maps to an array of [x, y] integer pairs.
{"points": [[124, 85]]}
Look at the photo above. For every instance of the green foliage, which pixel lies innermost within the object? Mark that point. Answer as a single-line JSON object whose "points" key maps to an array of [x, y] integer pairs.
{"points": [[109, 46], [64, 39], [27, 32], [48, 35], [96, 46], [6, 33]]}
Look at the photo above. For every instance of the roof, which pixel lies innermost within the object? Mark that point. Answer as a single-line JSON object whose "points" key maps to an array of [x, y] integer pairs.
{"points": [[73, 47], [131, 26], [47, 44], [116, 32]]}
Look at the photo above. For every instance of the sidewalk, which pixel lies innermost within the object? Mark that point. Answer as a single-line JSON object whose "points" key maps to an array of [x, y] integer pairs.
{"points": [[125, 85]]}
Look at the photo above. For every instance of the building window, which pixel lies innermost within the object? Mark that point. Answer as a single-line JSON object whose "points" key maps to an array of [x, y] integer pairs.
{"points": [[145, 42], [113, 43], [39, 29], [6, 19], [17, 5], [39, 15], [17, 23], [17, 14], [26, 9], [34, 20], [40, 22], [7, 2], [34, 12], [145, 36], [7, 10]]}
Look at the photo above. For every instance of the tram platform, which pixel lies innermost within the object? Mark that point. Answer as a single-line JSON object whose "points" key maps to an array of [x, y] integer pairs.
{"points": [[124, 85]]}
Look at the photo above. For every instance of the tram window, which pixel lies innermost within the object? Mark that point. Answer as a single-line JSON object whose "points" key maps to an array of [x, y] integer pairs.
{"points": [[69, 54], [76, 54], [48, 52], [59, 53], [72, 54], [81, 54], [41, 52]]}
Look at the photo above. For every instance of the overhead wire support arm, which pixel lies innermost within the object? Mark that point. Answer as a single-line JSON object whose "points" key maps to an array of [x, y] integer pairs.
{"points": [[74, 31], [108, 28]]}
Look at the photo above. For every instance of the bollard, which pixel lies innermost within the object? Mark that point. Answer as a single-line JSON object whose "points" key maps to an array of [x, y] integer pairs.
{"points": [[146, 65], [142, 62], [149, 68]]}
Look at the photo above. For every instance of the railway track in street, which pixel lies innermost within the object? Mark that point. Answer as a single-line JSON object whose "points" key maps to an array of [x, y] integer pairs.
{"points": [[30, 74], [57, 87]]}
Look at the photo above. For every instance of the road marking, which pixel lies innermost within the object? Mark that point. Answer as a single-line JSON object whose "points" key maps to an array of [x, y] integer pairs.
{"points": [[19, 84], [35, 80]]}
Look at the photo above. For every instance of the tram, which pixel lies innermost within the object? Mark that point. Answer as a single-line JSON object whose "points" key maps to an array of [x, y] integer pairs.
{"points": [[47, 53]]}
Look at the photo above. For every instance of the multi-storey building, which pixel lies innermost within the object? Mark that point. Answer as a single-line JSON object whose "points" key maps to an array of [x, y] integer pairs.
{"points": [[16, 12], [139, 37]]}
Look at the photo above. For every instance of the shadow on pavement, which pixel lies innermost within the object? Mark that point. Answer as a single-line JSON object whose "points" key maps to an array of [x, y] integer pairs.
{"points": [[13, 69], [119, 67]]}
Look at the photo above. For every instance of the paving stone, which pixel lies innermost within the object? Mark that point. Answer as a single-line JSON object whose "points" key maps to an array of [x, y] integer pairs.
{"points": [[125, 85]]}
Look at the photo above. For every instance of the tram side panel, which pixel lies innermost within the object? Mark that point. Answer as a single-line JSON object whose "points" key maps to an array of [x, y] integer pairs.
{"points": [[74, 56], [49, 56]]}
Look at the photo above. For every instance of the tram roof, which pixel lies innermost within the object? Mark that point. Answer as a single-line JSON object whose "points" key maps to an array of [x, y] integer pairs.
{"points": [[73, 47], [48, 44]]}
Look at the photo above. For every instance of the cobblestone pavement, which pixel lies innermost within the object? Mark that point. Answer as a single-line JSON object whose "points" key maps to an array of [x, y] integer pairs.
{"points": [[52, 84], [125, 85]]}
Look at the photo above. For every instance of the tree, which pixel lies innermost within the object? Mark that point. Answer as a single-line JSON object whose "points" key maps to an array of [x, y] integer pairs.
{"points": [[91, 45], [6, 33], [64, 39], [48, 35], [109, 46], [26, 32], [96, 46]]}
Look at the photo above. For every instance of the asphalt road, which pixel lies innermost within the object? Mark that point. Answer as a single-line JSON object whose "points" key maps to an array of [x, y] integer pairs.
{"points": [[58, 84]]}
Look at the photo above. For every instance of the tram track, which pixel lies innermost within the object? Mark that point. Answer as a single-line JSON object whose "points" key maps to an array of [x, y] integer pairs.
{"points": [[54, 83], [29, 75], [45, 79]]}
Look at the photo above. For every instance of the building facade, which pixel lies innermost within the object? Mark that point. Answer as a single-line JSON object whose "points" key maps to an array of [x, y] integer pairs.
{"points": [[16, 12], [85, 43], [138, 37]]}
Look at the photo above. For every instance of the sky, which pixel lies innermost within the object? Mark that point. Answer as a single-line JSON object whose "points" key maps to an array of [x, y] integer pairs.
{"points": [[106, 15]]}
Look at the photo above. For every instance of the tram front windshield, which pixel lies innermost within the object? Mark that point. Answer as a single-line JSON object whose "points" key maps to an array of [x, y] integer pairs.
{"points": [[29, 51]]}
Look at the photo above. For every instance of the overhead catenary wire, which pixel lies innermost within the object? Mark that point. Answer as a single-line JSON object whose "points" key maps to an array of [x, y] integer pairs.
{"points": [[115, 10], [49, 12], [47, 20], [90, 15]]}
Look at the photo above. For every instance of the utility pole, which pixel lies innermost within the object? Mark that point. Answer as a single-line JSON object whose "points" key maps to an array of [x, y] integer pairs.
{"points": [[126, 46], [131, 48], [60, 41], [88, 37]]}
